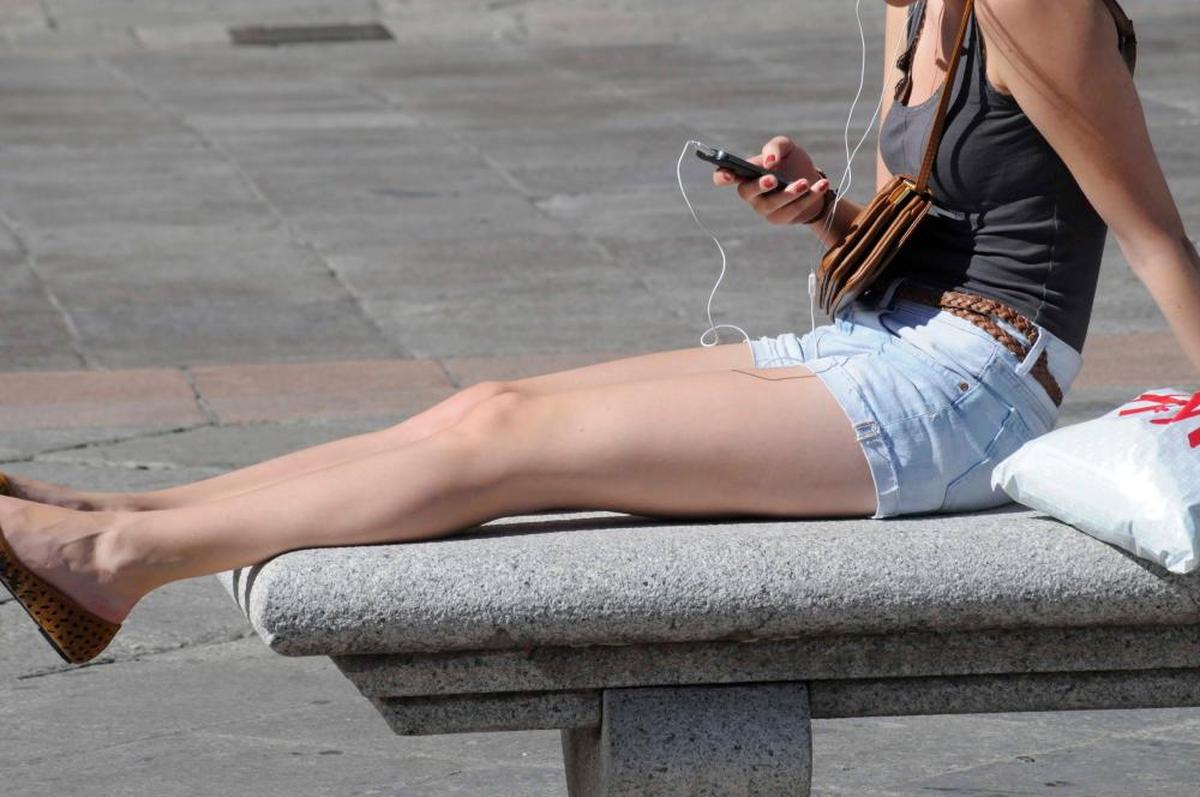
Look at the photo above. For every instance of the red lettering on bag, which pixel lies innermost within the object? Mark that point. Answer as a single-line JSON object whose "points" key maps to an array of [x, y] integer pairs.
{"points": [[1188, 408]]}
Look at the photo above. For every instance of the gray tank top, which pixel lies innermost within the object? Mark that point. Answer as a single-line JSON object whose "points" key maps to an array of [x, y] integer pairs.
{"points": [[1008, 220]]}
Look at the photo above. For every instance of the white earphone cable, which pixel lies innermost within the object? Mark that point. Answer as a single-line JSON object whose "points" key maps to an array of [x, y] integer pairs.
{"points": [[724, 260], [844, 184], [847, 179]]}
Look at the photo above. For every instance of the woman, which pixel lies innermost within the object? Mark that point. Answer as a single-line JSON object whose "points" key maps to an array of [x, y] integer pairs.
{"points": [[910, 408]]}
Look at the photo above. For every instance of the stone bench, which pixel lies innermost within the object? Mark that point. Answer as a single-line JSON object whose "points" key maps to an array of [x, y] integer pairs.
{"points": [[688, 658]]}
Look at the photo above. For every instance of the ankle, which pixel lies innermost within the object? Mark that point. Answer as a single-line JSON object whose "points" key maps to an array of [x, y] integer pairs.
{"points": [[116, 559]]}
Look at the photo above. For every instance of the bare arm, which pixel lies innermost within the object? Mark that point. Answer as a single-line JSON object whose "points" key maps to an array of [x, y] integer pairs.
{"points": [[1061, 64]]}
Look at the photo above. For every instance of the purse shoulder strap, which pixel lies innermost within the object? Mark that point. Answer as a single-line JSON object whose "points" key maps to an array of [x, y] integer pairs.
{"points": [[939, 118], [1127, 42]]}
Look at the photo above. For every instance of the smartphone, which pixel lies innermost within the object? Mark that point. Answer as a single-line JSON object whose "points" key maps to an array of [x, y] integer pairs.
{"points": [[740, 167]]}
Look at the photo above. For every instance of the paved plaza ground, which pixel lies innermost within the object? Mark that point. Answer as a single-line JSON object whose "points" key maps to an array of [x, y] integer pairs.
{"points": [[213, 254]]}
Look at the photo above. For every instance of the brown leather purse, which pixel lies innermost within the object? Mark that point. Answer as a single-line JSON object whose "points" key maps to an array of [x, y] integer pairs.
{"points": [[881, 228], [876, 234]]}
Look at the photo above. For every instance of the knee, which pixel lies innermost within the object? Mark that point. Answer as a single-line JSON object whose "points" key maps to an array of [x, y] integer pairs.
{"points": [[446, 414], [494, 414], [480, 392]]}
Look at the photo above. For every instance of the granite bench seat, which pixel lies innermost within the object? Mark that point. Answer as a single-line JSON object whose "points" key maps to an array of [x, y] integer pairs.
{"points": [[688, 657]]}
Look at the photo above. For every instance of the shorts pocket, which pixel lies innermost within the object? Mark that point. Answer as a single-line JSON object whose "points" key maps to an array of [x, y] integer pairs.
{"points": [[942, 333], [956, 385], [972, 490]]}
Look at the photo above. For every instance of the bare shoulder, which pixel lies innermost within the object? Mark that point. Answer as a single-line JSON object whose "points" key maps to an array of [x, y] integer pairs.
{"points": [[1045, 42]]}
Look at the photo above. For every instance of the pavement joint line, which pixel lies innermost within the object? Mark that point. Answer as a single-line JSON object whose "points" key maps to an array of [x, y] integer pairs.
{"points": [[212, 641], [201, 401], [48, 14], [108, 441], [13, 228], [454, 383], [125, 464], [251, 185]]}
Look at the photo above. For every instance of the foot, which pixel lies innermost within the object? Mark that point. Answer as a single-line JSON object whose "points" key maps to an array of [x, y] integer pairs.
{"points": [[77, 552], [65, 497]]}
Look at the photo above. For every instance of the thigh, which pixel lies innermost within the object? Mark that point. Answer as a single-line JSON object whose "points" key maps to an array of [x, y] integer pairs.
{"points": [[675, 362], [740, 441], [452, 410]]}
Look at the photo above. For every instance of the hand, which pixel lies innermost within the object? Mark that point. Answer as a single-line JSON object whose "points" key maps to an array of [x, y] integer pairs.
{"points": [[802, 197]]}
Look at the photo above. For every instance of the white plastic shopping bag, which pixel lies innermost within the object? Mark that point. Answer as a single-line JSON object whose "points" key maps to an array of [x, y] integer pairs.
{"points": [[1130, 477]]}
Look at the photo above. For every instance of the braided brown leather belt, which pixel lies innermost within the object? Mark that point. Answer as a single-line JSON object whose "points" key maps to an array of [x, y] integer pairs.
{"points": [[979, 311]]}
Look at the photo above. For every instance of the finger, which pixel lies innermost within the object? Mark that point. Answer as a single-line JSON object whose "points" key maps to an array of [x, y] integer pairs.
{"points": [[776, 150], [725, 177], [798, 189], [751, 190], [793, 192], [803, 208], [767, 184]]}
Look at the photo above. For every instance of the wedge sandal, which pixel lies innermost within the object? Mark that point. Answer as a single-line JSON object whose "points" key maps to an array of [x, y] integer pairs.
{"points": [[74, 632]]}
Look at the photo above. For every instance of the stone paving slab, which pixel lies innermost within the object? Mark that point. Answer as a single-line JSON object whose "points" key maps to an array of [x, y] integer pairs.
{"points": [[303, 724], [340, 389], [1136, 766], [215, 448], [899, 761], [38, 338], [1138, 358], [143, 397]]}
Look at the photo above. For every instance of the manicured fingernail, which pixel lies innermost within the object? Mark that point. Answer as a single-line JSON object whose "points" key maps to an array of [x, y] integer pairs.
{"points": [[770, 160], [768, 182], [797, 186], [821, 185]]}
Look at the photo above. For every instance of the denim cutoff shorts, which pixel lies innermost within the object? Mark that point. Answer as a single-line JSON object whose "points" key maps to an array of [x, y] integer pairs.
{"points": [[936, 402]]}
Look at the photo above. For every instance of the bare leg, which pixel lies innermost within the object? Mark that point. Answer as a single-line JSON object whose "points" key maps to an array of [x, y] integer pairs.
{"points": [[766, 442], [441, 416]]}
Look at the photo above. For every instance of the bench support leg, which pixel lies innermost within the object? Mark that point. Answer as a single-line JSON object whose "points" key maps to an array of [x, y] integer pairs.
{"points": [[743, 739]]}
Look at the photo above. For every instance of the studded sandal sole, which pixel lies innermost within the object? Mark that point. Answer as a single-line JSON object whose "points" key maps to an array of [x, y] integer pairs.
{"points": [[75, 633]]}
